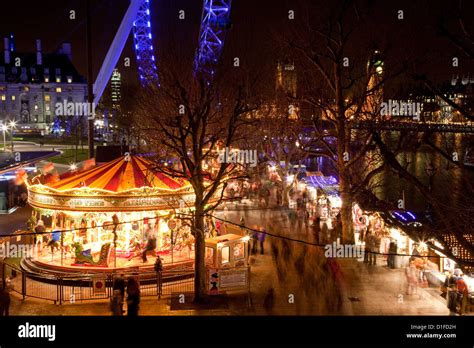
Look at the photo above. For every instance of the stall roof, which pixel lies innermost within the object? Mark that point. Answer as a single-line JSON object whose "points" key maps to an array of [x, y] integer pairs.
{"points": [[122, 174], [224, 238], [326, 183]]}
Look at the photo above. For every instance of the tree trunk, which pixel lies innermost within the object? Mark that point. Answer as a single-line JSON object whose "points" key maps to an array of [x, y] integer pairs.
{"points": [[199, 253], [346, 216], [343, 151], [284, 194]]}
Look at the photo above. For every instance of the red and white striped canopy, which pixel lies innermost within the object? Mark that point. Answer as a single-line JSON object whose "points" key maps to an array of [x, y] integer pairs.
{"points": [[120, 175]]}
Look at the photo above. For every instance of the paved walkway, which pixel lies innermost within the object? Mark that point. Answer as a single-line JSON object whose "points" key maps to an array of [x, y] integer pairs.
{"points": [[300, 277], [9, 223], [367, 290], [379, 290]]}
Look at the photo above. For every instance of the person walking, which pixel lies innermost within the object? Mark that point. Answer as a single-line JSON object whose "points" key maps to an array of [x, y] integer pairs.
{"points": [[118, 288], [392, 249], [133, 297], [150, 246], [371, 247], [4, 301], [451, 293], [218, 228], [300, 216], [367, 245], [116, 303], [462, 293], [159, 273], [269, 301], [254, 239], [261, 239], [375, 247], [120, 284], [411, 274]]}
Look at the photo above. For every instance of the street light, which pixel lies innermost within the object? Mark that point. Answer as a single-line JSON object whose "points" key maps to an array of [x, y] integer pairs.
{"points": [[4, 129], [12, 125]]}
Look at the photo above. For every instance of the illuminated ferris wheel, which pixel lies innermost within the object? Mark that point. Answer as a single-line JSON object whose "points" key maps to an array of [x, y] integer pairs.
{"points": [[215, 21]]}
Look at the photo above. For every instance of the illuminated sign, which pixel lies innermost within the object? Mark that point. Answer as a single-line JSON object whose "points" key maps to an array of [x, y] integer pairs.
{"points": [[81, 202]]}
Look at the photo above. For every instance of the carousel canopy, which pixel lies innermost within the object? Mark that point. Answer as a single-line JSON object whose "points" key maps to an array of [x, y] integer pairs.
{"points": [[122, 174], [129, 183]]}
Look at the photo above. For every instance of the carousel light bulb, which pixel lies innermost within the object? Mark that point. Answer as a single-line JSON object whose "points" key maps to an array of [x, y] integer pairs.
{"points": [[73, 166]]}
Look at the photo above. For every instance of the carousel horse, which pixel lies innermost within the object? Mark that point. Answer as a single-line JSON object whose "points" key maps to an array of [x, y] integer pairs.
{"points": [[84, 256]]}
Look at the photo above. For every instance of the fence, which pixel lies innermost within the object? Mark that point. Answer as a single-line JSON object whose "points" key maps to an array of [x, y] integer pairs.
{"points": [[60, 289]]}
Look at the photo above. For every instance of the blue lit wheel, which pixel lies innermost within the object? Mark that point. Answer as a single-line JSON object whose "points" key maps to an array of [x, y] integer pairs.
{"points": [[143, 44]]}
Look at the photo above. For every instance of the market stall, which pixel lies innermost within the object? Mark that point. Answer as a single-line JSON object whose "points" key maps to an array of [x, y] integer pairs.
{"points": [[229, 250], [227, 263], [324, 202]]}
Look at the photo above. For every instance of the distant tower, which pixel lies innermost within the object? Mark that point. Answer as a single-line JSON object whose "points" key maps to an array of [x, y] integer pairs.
{"points": [[375, 71], [115, 89], [286, 79], [12, 43]]}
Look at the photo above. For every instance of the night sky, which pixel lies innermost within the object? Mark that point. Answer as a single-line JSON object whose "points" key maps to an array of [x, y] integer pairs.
{"points": [[259, 27]]}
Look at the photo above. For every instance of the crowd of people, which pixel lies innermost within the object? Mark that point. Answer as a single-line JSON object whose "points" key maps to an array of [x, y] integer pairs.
{"points": [[257, 240], [456, 291], [129, 286]]}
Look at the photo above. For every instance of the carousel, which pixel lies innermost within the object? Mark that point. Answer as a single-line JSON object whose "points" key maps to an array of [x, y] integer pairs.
{"points": [[118, 215]]}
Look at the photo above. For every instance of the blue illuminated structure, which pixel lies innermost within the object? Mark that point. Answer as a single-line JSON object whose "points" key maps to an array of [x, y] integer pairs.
{"points": [[142, 39], [214, 23]]}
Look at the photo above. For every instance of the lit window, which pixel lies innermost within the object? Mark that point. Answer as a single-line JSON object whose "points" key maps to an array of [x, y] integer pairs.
{"points": [[225, 255], [58, 90], [58, 79], [69, 79], [46, 79], [47, 107], [26, 89], [13, 97], [36, 107], [239, 252], [3, 97], [47, 98]]}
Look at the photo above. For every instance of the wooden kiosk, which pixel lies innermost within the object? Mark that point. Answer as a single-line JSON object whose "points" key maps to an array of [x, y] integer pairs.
{"points": [[227, 264], [228, 250]]}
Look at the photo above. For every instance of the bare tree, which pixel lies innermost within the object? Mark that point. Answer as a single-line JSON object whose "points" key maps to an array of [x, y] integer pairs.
{"points": [[342, 90], [280, 140], [187, 121]]}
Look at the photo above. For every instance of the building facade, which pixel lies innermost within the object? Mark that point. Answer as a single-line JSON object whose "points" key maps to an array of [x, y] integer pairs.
{"points": [[33, 84]]}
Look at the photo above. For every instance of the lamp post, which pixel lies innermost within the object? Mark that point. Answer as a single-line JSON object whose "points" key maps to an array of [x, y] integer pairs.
{"points": [[4, 129], [12, 125]]}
